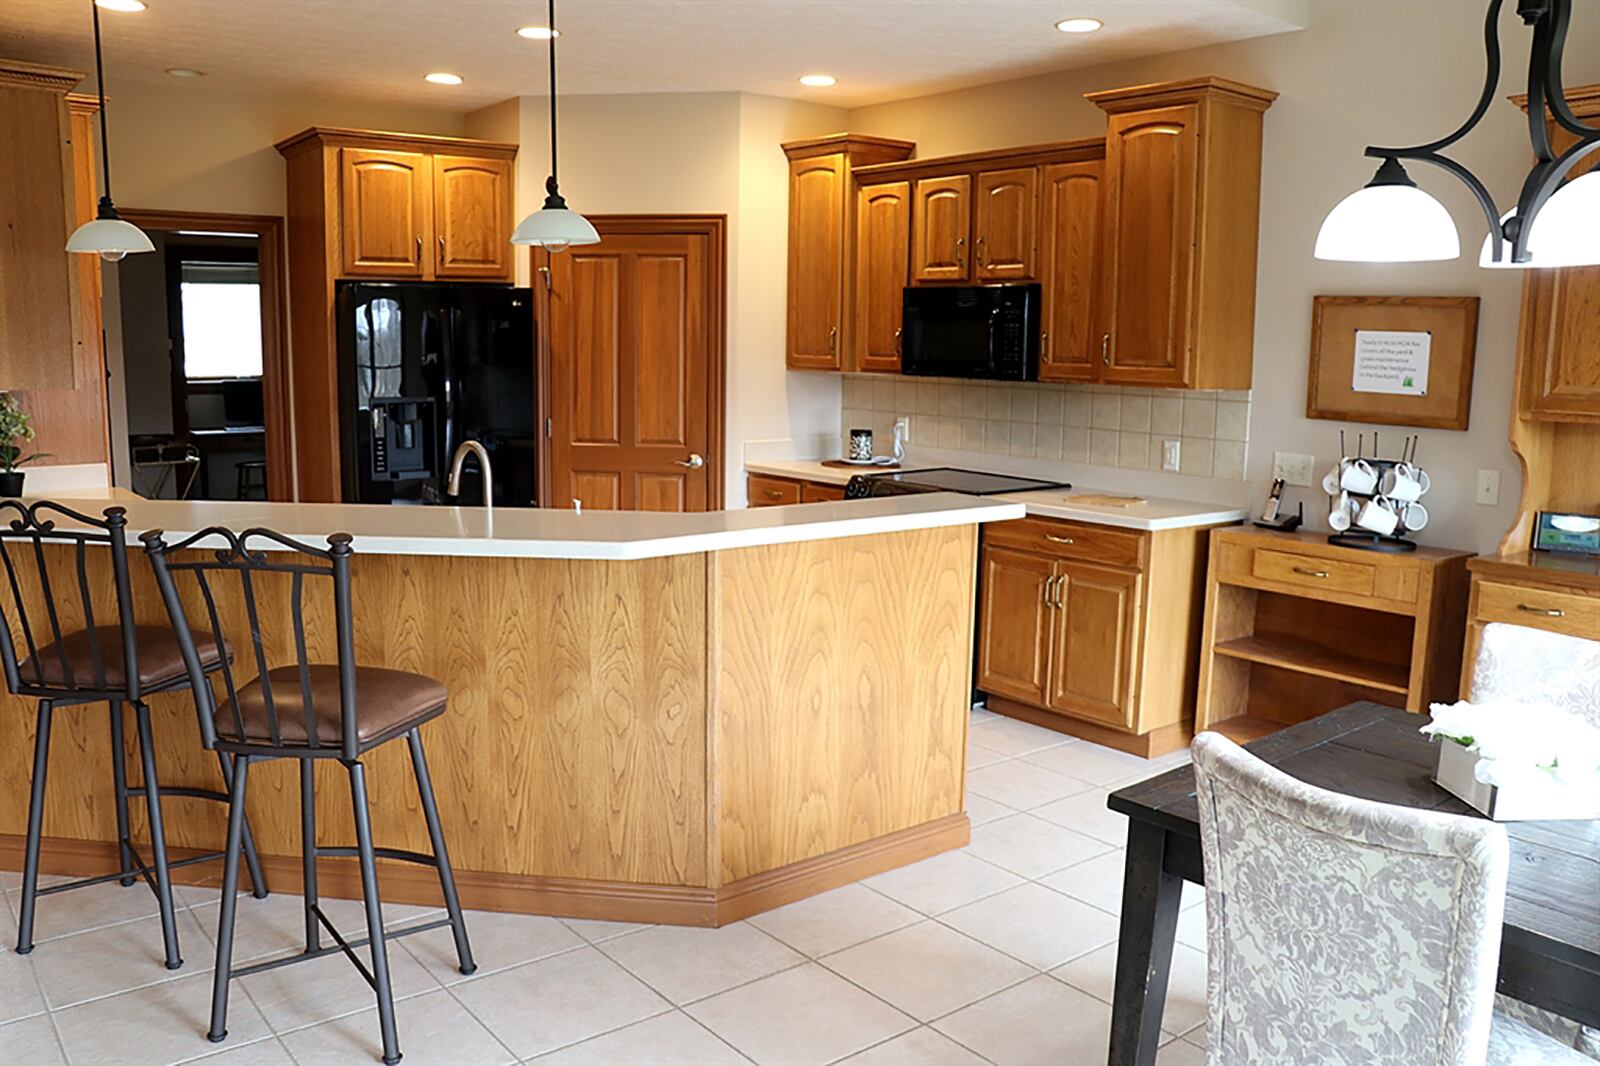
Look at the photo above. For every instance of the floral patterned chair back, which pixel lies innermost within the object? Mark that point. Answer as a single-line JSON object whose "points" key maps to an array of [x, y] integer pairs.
{"points": [[1520, 663]]}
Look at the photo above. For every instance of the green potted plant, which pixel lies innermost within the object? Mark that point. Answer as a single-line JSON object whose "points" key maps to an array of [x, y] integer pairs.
{"points": [[16, 430]]}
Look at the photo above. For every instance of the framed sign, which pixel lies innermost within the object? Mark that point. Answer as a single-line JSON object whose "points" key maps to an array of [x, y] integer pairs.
{"points": [[1395, 360]]}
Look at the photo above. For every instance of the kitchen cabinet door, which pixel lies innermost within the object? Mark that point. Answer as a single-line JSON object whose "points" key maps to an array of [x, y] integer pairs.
{"points": [[1069, 346], [816, 262], [1004, 216], [472, 217], [883, 239], [1014, 624], [940, 221], [386, 204], [1152, 176], [1094, 646]]}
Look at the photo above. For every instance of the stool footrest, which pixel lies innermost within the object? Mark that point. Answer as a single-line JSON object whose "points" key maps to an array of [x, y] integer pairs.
{"points": [[139, 868], [192, 793], [345, 946], [398, 854]]}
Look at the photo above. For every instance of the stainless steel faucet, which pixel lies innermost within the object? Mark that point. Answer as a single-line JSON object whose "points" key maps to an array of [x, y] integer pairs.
{"points": [[474, 448]]}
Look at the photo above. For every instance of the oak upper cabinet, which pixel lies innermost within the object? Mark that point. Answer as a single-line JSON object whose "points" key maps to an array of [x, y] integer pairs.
{"points": [[386, 201], [1005, 213], [822, 243], [1071, 238], [941, 220], [472, 216], [1014, 655], [1182, 200], [883, 227]]}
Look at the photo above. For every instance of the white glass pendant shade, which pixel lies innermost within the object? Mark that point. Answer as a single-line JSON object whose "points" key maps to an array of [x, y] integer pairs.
{"points": [[110, 238], [555, 228], [1566, 232], [1388, 224]]}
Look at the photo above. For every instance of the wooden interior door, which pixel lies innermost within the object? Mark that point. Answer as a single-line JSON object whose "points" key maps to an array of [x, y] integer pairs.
{"points": [[816, 262], [1014, 624], [1092, 654], [386, 203], [940, 221], [883, 248], [1070, 342], [1152, 170], [471, 217], [634, 361], [1004, 215]]}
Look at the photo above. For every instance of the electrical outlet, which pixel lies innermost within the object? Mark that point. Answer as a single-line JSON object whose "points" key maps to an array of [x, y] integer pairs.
{"points": [[1170, 454], [1488, 487], [1294, 468]]}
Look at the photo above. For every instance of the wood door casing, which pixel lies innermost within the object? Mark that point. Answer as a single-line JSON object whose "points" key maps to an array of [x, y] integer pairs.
{"points": [[1014, 629], [883, 239], [1152, 177], [471, 217], [386, 212], [1005, 212], [941, 221], [1093, 647], [630, 372], [816, 262], [1072, 238]]}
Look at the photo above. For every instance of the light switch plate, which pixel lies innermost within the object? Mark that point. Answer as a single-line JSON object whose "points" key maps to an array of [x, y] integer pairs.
{"points": [[903, 424], [1170, 455], [1488, 487], [1294, 468]]}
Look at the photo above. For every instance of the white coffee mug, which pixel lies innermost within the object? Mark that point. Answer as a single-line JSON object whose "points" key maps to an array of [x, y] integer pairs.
{"points": [[1330, 482], [1402, 483], [1358, 476], [1378, 515], [1415, 516], [1339, 515]]}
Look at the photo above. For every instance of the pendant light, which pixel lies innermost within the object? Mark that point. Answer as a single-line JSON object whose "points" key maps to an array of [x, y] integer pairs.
{"points": [[106, 235], [554, 226], [1393, 221]]}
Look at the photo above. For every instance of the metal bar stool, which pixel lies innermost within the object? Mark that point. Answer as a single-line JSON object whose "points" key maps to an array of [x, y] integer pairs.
{"points": [[82, 662], [330, 711]]}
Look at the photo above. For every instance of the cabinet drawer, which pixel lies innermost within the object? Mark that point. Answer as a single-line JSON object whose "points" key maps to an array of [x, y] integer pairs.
{"points": [[817, 492], [1070, 540], [772, 491], [1310, 572], [1571, 613]]}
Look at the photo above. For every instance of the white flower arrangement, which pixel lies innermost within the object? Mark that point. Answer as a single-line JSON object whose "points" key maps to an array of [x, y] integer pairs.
{"points": [[1522, 745]]}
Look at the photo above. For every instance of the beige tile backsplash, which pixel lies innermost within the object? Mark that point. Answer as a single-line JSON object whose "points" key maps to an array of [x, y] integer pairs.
{"points": [[1102, 425]]}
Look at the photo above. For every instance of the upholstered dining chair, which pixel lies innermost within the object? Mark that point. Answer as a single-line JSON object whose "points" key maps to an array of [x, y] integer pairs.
{"points": [[1343, 931]]}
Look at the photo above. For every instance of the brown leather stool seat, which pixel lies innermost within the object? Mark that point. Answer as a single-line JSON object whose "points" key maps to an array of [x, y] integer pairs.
{"points": [[160, 658], [388, 702]]}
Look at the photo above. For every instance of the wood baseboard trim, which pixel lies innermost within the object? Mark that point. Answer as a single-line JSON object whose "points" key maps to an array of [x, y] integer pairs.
{"points": [[340, 878], [1146, 745]]}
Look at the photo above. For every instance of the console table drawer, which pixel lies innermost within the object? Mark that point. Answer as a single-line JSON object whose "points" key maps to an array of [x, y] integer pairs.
{"points": [[1310, 572]]}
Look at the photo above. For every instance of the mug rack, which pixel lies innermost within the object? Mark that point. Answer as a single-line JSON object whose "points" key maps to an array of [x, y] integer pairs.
{"points": [[1366, 539]]}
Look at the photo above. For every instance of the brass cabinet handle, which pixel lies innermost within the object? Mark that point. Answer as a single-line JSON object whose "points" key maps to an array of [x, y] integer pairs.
{"points": [[961, 257], [419, 248], [1052, 591], [1059, 540], [774, 494], [1548, 612], [979, 246], [1044, 345], [833, 339], [1310, 573], [441, 247], [1105, 349], [897, 331]]}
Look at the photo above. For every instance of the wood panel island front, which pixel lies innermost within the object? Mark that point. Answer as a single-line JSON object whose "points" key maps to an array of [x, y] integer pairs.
{"points": [[653, 717]]}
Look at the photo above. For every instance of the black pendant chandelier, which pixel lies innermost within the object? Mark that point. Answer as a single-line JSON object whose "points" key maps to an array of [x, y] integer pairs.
{"points": [[1391, 220], [107, 234]]}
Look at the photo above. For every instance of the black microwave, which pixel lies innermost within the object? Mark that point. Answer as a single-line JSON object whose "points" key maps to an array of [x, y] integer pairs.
{"points": [[971, 331]]}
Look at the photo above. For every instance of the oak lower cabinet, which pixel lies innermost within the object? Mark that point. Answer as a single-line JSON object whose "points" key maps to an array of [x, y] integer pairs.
{"points": [[1093, 630]]}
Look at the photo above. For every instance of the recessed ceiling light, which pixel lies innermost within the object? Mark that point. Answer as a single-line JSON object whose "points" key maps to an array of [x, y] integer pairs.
{"points": [[818, 81], [538, 33], [1083, 25], [185, 72], [439, 77], [120, 5]]}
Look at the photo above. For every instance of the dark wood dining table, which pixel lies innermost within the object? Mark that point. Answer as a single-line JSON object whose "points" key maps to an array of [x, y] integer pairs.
{"points": [[1549, 946]]}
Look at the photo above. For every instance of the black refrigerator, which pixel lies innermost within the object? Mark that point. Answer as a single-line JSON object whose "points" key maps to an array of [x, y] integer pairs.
{"points": [[423, 367]]}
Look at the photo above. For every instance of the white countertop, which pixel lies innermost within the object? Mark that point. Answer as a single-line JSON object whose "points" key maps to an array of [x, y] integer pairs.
{"points": [[1153, 514], [550, 534]]}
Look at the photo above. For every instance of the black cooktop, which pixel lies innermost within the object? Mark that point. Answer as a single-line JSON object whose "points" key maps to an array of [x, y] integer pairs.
{"points": [[951, 479]]}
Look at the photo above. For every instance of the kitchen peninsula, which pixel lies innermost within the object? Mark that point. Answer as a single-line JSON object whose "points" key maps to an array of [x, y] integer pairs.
{"points": [[680, 718]]}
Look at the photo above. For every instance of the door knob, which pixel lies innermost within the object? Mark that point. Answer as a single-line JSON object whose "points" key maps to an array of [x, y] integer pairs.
{"points": [[694, 462]]}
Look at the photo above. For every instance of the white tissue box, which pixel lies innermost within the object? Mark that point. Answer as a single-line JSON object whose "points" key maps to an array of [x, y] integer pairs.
{"points": [[1457, 774]]}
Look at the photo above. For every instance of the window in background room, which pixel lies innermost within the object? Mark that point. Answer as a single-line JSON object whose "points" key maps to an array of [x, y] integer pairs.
{"points": [[221, 320]]}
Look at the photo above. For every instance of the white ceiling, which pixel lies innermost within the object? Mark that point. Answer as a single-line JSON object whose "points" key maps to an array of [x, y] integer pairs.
{"points": [[380, 49]]}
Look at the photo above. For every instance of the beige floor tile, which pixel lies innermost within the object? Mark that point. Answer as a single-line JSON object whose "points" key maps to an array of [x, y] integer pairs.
{"points": [[1038, 926], [1087, 813], [1011, 737], [1032, 847], [115, 959], [980, 713], [433, 1029], [835, 920], [1040, 1021], [558, 1001], [1093, 763], [595, 931], [1192, 927], [498, 941], [943, 882], [277, 926], [804, 1015], [981, 809], [978, 756], [30, 1042], [1197, 1037], [19, 988], [1097, 881], [671, 1039], [81, 909], [927, 970], [920, 1047], [1021, 785], [1180, 1053], [270, 1052], [305, 993], [685, 964], [161, 1024], [1185, 1008]]}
